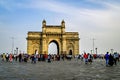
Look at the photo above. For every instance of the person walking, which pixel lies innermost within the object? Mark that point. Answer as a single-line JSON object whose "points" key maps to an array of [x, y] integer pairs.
{"points": [[35, 58], [4, 57], [89, 58], [85, 58], [107, 58], [115, 58], [7, 57], [49, 58], [111, 60], [20, 57], [10, 57], [32, 58]]}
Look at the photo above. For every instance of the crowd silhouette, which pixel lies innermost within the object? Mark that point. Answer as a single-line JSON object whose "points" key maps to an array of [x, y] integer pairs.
{"points": [[110, 59]]}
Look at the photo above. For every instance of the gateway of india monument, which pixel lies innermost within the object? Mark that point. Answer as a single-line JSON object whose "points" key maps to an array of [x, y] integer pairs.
{"points": [[67, 42]]}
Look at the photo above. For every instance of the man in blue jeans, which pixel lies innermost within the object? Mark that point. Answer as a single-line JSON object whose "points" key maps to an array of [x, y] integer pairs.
{"points": [[107, 58]]}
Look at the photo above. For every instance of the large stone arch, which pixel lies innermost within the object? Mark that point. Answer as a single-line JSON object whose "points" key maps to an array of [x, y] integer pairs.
{"points": [[57, 43], [68, 42]]}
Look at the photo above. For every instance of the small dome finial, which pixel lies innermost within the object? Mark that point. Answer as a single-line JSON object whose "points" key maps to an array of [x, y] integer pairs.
{"points": [[44, 21], [63, 21]]}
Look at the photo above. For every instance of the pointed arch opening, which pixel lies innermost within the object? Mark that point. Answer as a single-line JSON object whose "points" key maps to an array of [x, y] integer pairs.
{"points": [[53, 47]]}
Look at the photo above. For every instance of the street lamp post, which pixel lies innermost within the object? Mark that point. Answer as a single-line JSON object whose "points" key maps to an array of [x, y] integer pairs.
{"points": [[96, 50], [12, 44], [16, 50], [93, 45]]}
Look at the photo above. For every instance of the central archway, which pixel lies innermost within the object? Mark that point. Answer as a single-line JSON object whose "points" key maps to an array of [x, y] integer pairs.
{"points": [[53, 47]]}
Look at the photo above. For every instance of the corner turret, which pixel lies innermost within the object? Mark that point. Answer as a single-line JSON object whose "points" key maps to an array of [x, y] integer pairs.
{"points": [[43, 23], [63, 26], [43, 26], [63, 23]]}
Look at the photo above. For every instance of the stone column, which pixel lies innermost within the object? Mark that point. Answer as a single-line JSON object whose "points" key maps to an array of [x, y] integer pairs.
{"points": [[43, 46], [76, 47], [64, 44]]}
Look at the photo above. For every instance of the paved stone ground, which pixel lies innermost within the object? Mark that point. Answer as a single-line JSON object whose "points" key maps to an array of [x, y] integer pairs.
{"points": [[59, 70]]}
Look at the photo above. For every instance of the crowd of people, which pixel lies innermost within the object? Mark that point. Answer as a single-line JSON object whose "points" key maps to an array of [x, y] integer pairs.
{"points": [[34, 57], [111, 59]]}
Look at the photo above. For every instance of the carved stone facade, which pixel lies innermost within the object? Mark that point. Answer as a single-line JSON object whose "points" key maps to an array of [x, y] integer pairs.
{"points": [[67, 42]]}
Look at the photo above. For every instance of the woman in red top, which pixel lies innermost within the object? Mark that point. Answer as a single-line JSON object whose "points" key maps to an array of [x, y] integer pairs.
{"points": [[85, 58], [10, 57]]}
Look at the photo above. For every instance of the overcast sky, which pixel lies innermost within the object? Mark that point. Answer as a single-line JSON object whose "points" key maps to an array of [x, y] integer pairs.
{"points": [[98, 19]]}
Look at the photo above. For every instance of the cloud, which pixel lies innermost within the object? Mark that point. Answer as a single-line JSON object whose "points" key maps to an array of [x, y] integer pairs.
{"points": [[101, 23], [104, 18]]}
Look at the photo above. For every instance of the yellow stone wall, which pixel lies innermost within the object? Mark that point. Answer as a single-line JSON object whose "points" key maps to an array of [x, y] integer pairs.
{"points": [[56, 29]]}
